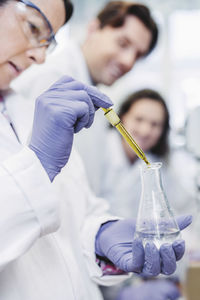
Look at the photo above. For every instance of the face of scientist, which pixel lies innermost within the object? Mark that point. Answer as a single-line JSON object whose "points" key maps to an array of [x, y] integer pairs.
{"points": [[111, 52], [145, 121], [17, 52]]}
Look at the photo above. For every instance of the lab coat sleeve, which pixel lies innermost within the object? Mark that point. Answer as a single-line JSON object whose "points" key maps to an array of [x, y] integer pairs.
{"points": [[28, 208], [97, 214]]}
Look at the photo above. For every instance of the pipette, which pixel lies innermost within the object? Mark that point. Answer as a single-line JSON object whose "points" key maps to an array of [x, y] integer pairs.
{"points": [[114, 120]]}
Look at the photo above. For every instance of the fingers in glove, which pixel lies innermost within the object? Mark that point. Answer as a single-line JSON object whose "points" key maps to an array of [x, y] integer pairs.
{"points": [[137, 257], [63, 98], [63, 80], [82, 96], [168, 259], [184, 221], [152, 260], [179, 248], [130, 258], [79, 115], [99, 99]]}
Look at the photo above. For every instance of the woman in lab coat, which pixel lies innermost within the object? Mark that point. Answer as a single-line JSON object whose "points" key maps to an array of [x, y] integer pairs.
{"points": [[145, 115]]}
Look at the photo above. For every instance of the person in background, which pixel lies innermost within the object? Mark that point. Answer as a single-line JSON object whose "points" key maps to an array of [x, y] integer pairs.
{"points": [[43, 253], [145, 115]]}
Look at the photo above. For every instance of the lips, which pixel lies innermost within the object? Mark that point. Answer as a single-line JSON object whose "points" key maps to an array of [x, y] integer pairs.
{"points": [[15, 69], [116, 72]]}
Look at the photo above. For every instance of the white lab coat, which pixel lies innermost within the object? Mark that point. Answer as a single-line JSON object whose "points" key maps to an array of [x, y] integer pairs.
{"points": [[38, 260], [22, 181]]}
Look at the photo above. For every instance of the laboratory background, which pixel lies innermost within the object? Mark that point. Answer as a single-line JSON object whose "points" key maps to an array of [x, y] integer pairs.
{"points": [[172, 69]]}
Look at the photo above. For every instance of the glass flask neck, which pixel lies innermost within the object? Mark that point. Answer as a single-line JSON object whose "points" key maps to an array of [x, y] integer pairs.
{"points": [[151, 178]]}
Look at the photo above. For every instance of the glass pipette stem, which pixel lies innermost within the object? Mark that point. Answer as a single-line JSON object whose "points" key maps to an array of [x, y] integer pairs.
{"points": [[113, 118]]}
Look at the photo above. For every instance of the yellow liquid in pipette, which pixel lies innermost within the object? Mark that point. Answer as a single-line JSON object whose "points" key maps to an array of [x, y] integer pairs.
{"points": [[115, 121]]}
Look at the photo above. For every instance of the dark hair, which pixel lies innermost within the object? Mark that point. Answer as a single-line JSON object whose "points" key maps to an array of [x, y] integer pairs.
{"points": [[115, 13], [162, 147], [68, 10], [2, 2], [67, 3]]}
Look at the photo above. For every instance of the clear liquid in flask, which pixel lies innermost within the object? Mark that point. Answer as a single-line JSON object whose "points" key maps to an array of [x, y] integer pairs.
{"points": [[158, 239]]}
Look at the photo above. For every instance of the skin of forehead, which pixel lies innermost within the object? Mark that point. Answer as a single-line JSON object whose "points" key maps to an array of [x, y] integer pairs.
{"points": [[53, 11], [143, 102]]}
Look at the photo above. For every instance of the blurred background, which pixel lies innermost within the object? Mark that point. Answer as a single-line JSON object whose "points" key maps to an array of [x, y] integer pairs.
{"points": [[173, 68]]}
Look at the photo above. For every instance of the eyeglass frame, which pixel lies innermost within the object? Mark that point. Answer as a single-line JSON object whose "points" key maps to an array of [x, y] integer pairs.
{"points": [[51, 38]]}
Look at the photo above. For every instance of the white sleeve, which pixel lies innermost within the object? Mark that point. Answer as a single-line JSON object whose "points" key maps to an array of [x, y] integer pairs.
{"points": [[95, 218], [28, 208], [97, 214]]}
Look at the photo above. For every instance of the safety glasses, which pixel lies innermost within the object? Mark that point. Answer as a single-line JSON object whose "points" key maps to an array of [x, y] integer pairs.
{"points": [[35, 25]]}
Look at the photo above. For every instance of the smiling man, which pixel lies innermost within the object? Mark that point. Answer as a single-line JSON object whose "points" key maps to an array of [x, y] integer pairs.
{"points": [[120, 35]]}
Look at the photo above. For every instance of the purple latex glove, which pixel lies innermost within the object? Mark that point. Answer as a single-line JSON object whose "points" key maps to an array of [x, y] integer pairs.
{"points": [[64, 109], [161, 289], [114, 241]]}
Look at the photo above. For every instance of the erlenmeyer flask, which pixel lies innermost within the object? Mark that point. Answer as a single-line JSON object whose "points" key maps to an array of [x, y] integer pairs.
{"points": [[155, 221]]}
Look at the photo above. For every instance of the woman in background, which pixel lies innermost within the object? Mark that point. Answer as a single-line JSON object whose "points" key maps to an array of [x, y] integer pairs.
{"points": [[145, 115]]}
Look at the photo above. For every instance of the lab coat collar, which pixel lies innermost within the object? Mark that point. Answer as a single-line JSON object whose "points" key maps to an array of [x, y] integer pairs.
{"points": [[119, 158], [72, 58], [85, 74], [20, 112]]}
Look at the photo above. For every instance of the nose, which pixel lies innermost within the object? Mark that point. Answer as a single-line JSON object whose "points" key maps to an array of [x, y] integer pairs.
{"points": [[128, 59], [144, 129], [37, 55]]}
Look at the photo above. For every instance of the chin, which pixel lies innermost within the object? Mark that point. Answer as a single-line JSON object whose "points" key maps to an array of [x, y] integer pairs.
{"points": [[109, 82], [5, 83], [143, 147], [4, 87]]}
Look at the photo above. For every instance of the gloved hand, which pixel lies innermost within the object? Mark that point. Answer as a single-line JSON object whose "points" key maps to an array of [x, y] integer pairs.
{"points": [[160, 289], [114, 241], [64, 109]]}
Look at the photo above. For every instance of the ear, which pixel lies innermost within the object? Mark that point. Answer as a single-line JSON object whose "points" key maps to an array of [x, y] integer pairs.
{"points": [[93, 26]]}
